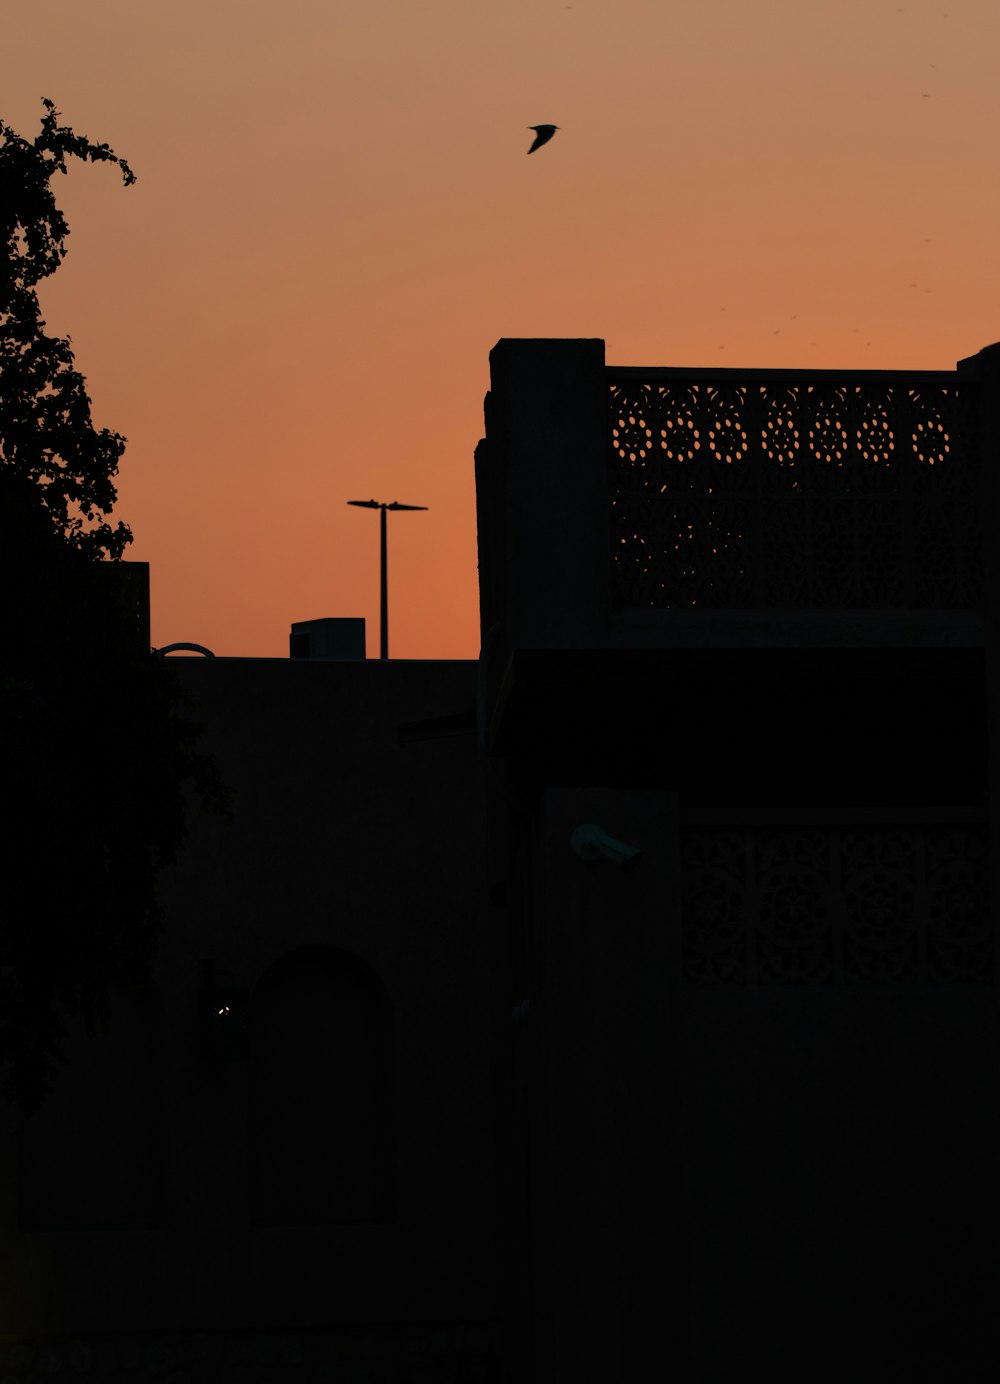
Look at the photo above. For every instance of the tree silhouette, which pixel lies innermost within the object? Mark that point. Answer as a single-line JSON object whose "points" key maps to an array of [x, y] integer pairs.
{"points": [[48, 435], [96, 750]]}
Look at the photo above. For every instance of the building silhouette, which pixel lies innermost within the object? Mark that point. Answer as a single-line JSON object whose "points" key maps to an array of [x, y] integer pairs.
{"points": [[425, 1087]]}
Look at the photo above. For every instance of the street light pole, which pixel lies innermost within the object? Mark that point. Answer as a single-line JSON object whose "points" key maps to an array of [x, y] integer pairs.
{"points": [[384, 612], [378, 504]]}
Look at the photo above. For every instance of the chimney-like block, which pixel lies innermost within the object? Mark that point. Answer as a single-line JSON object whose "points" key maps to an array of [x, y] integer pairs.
{"points": [[342, 638]]}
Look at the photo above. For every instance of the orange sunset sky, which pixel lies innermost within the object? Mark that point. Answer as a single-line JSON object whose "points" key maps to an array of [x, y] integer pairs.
{"points": [[335, 220]]}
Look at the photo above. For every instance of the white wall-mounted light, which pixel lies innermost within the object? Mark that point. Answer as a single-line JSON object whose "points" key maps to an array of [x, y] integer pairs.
{"points": [[591, 842]]}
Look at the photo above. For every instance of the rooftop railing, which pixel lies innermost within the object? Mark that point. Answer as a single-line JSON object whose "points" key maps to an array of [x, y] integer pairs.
{"points": [[784, 488], [635, 508]]}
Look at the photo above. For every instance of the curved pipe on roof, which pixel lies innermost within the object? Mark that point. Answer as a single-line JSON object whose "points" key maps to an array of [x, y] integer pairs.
{"points": [[193, 648]]}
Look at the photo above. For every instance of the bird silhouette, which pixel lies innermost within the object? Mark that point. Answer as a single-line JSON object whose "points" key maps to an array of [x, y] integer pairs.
{"points": [[543, 133]]}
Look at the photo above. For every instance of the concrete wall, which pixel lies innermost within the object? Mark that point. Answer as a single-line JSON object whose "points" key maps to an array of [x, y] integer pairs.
{"points": [[780, 1170], [791, 1174], [368, 848]]}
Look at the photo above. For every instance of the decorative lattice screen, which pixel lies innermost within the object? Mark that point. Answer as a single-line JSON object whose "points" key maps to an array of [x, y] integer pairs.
{"points": [[794, 491], [773, 904]]}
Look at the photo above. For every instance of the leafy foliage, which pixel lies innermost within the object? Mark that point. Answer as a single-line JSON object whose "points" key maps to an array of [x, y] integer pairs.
{"points": [[48, 435], [95, 748]]}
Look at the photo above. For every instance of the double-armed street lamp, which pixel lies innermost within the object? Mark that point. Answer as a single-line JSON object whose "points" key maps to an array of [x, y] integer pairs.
{"points": [[376, 504]]}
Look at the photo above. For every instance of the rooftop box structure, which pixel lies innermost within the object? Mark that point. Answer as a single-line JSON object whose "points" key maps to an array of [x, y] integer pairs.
{"points": [[329, 638]]}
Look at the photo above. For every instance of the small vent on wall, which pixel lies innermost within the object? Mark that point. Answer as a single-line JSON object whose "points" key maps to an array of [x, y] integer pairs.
{"points": [[328, 639]]}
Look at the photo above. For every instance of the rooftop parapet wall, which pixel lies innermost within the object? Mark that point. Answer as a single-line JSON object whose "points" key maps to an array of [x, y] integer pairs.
{"points": [[659, 507]]}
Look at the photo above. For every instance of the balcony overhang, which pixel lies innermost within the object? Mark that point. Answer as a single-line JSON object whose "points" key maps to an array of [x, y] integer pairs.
{"points": [[903, 721]]}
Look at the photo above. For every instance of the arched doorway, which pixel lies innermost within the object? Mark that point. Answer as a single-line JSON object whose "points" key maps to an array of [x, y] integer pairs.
{"points": [[322, 1108]]}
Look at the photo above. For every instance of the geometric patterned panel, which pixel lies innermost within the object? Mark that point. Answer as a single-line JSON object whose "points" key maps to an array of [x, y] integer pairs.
{"points": [[823, 905], [807, 492]]}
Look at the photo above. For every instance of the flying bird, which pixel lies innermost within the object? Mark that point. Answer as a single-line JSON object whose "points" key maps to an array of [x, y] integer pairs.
{"points": [[543, 133]]}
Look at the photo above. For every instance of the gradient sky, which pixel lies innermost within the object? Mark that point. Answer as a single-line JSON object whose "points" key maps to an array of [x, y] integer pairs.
{"points": [[335, 220]]}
